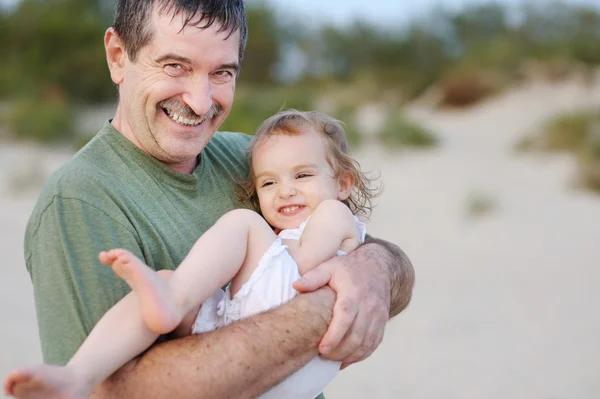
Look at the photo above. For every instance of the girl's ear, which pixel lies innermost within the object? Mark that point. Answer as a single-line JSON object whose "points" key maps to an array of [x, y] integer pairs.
{"points": [[346, 184]]}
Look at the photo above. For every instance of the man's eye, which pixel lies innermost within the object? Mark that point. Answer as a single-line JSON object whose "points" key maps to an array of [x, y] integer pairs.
{"points": [[223, 76], [174, 69]]}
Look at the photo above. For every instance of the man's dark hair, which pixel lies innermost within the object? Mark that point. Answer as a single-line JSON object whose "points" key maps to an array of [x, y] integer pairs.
{"points": [[132, 19]]}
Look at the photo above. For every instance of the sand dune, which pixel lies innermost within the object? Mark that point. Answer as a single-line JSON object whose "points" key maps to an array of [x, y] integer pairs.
{"points": [[505, 305]]}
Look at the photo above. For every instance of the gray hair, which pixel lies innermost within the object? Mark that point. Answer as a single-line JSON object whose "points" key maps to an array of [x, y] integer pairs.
{"points": [[132, 16]]}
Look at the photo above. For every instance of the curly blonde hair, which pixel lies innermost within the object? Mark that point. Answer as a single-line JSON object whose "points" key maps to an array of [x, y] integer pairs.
{"points": [[294, 122]]}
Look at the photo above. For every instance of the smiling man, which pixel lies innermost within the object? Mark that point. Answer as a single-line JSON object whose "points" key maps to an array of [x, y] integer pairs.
{"points": [[153, 180]]}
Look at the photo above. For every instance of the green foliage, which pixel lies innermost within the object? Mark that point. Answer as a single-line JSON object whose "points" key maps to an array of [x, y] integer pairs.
{"points": [[472, 53], [589, 154], [479, 24], [577, 133], [263, 48], [569, 132], [254, 104], [56, 43], [480, 205], [347, 115], [400, 132], [42, 120], [479, 39]]}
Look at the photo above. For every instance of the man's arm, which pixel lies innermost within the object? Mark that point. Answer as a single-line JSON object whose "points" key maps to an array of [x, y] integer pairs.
{"points": [[241, 360], [372, 283], [399, 267]]}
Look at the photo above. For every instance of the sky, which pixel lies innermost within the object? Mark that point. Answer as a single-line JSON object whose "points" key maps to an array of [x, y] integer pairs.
{"points": [[387, 12]]}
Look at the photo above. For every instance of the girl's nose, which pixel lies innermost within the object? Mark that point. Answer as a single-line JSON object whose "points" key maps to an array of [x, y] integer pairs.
{"points": [[287, 190]]}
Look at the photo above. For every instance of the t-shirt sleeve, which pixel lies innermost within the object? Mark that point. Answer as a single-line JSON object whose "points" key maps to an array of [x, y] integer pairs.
{"points": [[72, 289]]}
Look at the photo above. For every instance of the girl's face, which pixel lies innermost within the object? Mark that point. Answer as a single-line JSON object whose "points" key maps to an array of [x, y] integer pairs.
{"points": [[293, 177]]}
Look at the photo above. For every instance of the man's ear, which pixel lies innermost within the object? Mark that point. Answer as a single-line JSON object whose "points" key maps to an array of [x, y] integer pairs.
{"points": [[115, 55], [346, 184]]}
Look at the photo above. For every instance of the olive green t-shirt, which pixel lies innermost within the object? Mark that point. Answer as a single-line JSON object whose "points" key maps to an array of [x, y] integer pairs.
{"points": [[113, 195]]}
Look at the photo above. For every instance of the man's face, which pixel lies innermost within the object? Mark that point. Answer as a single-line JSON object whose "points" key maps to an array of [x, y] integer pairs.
{"points": [[178, 91]]}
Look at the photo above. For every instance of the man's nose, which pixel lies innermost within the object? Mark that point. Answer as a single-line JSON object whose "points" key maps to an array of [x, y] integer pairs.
{"points": [[198, 95]]}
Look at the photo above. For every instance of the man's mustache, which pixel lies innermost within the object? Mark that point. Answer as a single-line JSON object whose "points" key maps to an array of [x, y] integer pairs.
{"points": [[184, 110]]}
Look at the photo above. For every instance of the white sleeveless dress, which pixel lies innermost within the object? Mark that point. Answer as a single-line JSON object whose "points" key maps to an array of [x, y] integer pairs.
{"points": [[269, 286]]}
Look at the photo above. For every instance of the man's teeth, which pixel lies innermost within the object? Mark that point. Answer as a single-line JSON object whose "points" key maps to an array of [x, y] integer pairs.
{"points": [[289, 209], [183, 120]]}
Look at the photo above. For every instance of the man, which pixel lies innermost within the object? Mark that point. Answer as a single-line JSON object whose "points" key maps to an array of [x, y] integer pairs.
{"points": [[152, 181]]}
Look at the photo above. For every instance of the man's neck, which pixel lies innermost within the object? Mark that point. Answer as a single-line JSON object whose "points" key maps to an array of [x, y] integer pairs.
{"points": [[120, 125]]}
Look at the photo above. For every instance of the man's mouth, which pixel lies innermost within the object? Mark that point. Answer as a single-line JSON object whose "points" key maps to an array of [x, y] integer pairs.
{"points": [[182, 120]]}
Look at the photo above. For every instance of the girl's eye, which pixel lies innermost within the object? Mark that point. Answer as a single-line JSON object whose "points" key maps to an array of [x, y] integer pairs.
{"points": [[267, 183], [302, 175]]}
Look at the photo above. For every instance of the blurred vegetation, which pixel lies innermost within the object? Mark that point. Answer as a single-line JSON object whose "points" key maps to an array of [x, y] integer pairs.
{"points": [[55, 45], [400, 132], [52, 51], [43, 120], [577, 133], [479, 205]]}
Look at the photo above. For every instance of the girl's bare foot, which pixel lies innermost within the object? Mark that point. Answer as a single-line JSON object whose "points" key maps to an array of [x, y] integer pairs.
{"points": [[159, 311], [46, 382]]}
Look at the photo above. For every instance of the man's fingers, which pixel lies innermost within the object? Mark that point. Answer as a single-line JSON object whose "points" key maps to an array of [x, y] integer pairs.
{"points": [[363, 337], [344, 313], [372, 339], [313, 280], [352, 346]]}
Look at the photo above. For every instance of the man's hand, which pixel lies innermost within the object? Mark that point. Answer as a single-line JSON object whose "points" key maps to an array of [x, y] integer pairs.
{"points": [[362, 308]]}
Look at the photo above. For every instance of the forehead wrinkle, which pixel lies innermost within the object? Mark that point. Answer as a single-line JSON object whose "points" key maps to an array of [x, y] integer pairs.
{"points": [[174, 57]]}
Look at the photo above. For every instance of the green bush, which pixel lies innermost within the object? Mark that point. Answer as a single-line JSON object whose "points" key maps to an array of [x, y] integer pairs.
{"points": [[400, 132], [567, 132], [466, 87], [577, 133], [589, 174], [56, 43], [347, 115], [480, 204], [42, 120], [589, 159], [252, 105]]}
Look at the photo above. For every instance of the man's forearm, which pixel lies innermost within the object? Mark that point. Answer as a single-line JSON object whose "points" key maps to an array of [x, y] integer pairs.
{"points": [[401, 272], [241, 360]]}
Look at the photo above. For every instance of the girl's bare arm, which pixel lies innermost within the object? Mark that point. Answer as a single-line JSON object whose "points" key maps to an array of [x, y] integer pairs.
{"points": [[330, 228]]}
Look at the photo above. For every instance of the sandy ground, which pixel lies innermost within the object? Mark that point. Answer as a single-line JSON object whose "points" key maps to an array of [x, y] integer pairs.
{"points": [[505, 305]]}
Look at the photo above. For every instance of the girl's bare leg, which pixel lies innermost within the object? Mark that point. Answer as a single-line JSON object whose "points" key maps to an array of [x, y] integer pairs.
{"points": [[235, 243], [119, 336]]}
